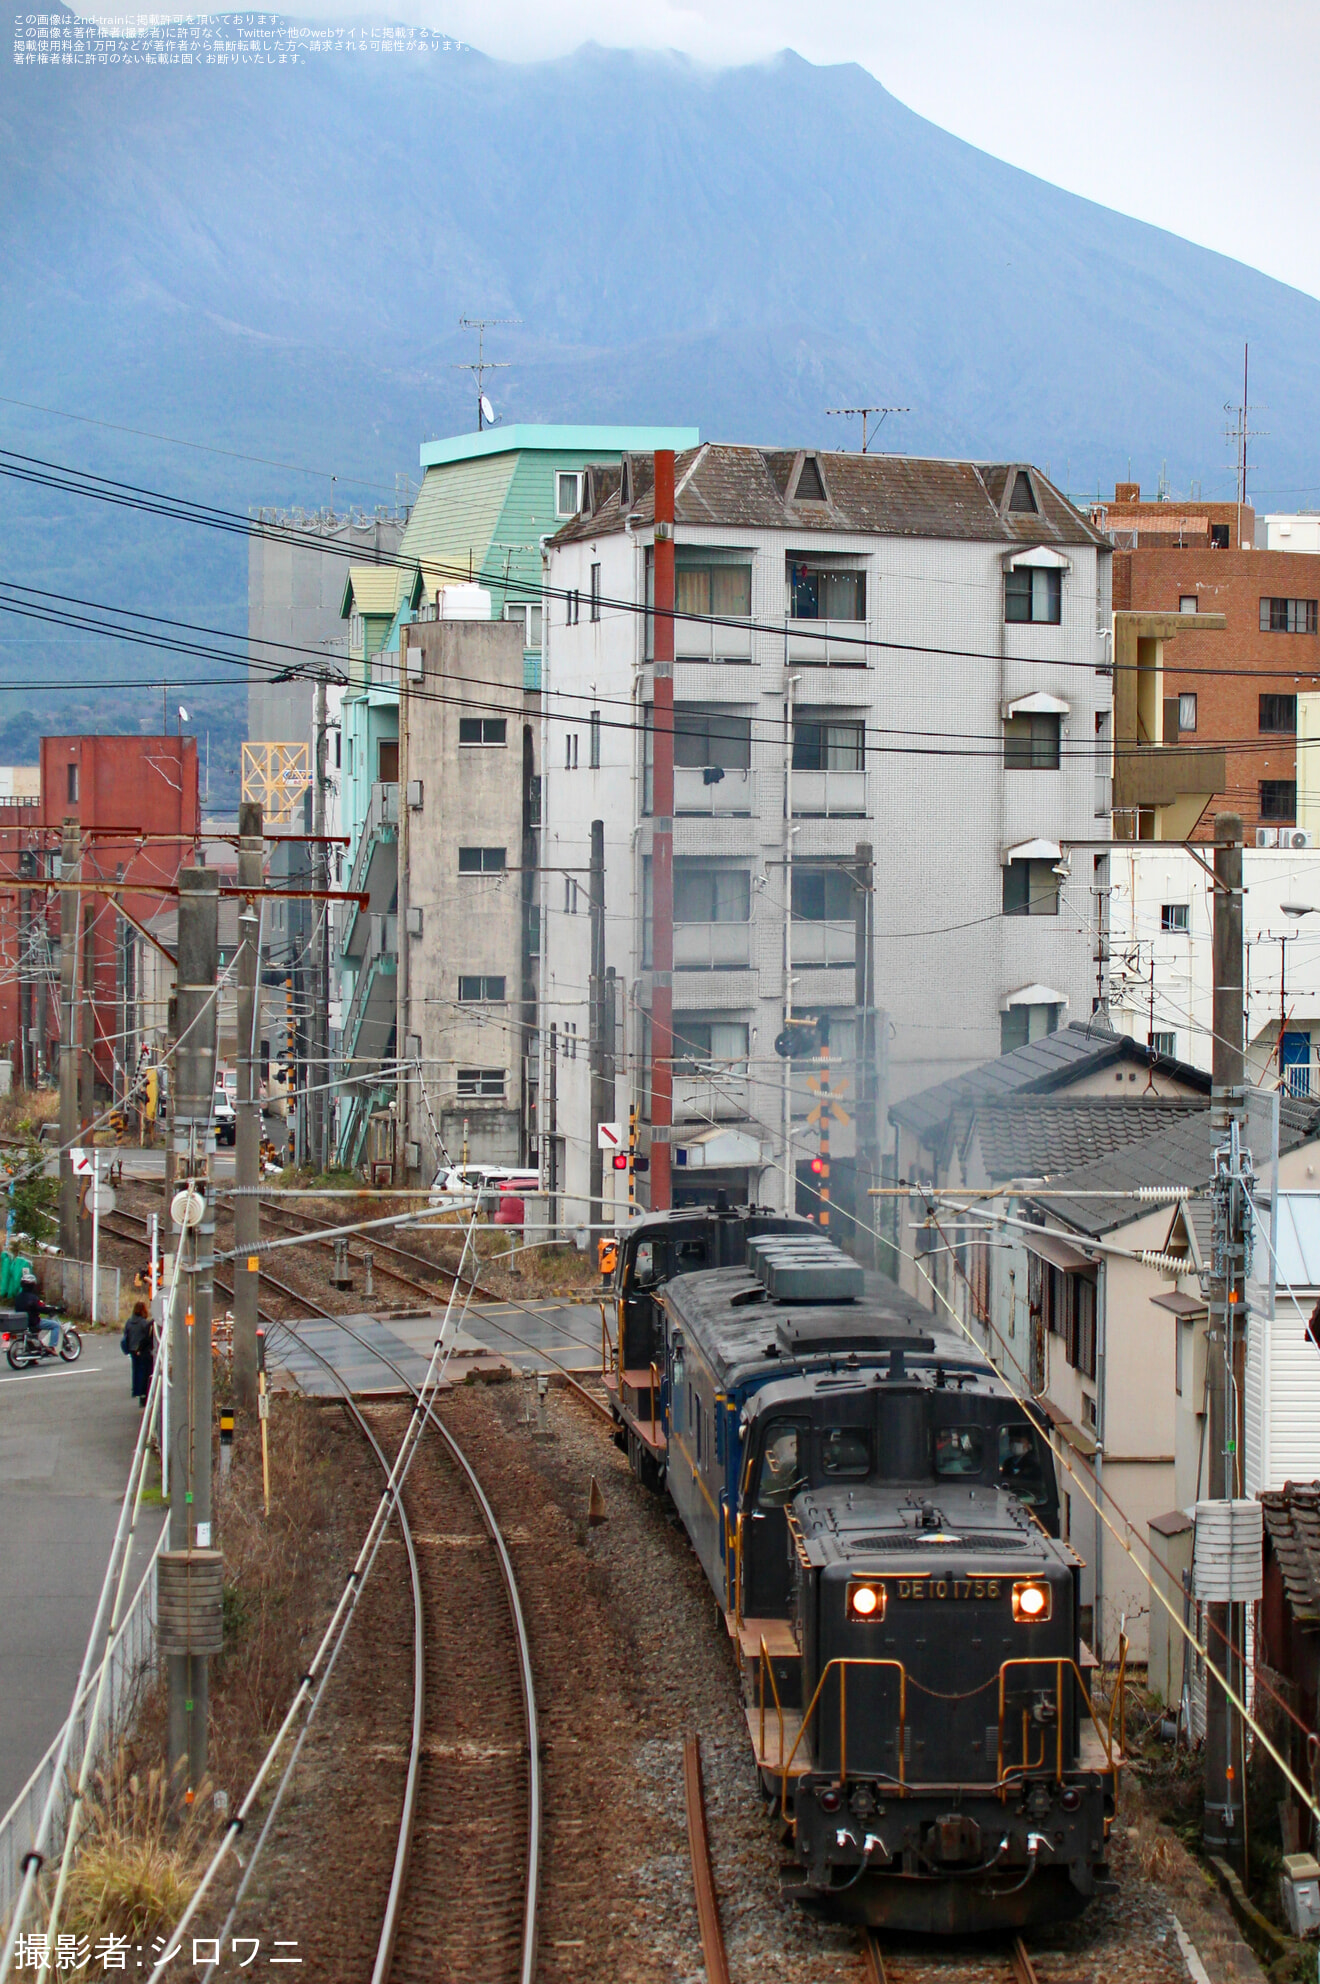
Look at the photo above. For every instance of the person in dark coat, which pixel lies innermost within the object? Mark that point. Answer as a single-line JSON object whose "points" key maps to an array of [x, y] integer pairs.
{"points": [[138, 1343]]}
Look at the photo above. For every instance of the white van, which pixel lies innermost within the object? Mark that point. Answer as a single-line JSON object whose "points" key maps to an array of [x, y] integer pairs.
{"points": [[460, 1187]]}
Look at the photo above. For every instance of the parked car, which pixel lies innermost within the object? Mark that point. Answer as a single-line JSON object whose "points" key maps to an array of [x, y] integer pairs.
{"points": [[225, 1117], [458, 1188]]}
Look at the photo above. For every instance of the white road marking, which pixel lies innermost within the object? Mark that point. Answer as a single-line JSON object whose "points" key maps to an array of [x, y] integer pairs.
{"points": [[72, 1371]]}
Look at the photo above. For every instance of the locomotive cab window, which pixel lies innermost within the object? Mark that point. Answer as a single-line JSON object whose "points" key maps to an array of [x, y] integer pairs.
{"points": [[646, 1264], [780, 1474], [689, 1256], [1019, 1463], [959, 1450], [845, 1453]]}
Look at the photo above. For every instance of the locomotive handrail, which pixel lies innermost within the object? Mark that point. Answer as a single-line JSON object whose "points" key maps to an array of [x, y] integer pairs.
{"points": [[843, 1662], [738, 1576], [655, 1394], [767, 1667], [1119, 1699], [1058, 1662]]}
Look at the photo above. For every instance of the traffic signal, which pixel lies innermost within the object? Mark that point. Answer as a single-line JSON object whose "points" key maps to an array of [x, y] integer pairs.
{"points": [[818, 1165], [620, 1160], [641, 1164]]}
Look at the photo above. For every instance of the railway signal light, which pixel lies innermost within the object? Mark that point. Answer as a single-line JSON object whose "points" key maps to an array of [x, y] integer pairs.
{"points": [[620, 1160]]}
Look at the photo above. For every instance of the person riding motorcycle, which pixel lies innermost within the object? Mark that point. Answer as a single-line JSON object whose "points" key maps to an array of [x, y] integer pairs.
{"points": [[29, 1305]]}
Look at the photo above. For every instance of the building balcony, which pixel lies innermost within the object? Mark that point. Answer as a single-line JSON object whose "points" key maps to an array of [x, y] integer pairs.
{"points": [[829, 795], [712, 946], [827, 644], [710, 1098], [1161, 790], [823, 943], [695, 640], [732, 795]]}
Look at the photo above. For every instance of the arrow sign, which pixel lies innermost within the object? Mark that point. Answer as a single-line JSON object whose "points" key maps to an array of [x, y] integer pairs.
{"points": [[609, 1136], [82, 1162]]}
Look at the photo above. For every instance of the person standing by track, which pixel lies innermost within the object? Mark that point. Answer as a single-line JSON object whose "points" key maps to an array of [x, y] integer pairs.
{"points": [[139, 1343]]}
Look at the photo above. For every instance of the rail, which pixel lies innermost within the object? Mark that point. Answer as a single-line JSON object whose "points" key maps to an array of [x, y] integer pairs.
{"points": [[130, 1655], [703, 1876]]}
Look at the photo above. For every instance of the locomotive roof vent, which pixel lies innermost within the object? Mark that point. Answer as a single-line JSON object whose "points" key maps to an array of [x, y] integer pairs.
{"points": [[794, 1268]]}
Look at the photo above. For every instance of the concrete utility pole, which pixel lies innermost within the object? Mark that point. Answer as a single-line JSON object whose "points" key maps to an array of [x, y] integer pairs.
{"points": [[602, 1104], [189, 1455], [70, 923], [1223, 1781], [247, 1143], [87, 1052], [867, 1086], [317, 1092], [662, 839]]}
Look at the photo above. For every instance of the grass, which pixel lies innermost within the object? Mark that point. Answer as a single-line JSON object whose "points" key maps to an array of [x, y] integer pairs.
{"points": [[139, 1861]]}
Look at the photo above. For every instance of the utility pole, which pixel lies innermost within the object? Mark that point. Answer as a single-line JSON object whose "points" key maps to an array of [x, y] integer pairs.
{"points": [[87, 1053], [662, 840], [866, 1087], [601, 1101], [189, 1457], [319, 1045], [247, 1139], [1223, 1782], [70, 923]]}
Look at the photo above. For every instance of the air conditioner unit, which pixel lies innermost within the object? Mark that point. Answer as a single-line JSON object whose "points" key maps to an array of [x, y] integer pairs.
{"points": [[1294, 837], [1267, 836]]}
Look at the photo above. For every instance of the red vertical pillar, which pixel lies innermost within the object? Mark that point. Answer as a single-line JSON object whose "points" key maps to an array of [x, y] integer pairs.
{"points": [[662, 838]]}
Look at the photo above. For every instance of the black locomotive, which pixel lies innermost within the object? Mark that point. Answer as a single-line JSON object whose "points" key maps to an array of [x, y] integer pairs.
{"points": [[879, 1521]]}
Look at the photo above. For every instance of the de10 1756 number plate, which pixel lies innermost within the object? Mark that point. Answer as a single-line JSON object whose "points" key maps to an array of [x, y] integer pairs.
{"points": [[944, 1588]]}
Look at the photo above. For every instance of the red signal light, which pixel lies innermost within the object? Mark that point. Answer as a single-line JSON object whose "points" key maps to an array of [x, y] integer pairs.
{"points": [[818, 1165], [620, 1160]]}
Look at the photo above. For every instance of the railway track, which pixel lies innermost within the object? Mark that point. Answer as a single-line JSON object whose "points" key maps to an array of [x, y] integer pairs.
{"points": [[1014, 1965]]}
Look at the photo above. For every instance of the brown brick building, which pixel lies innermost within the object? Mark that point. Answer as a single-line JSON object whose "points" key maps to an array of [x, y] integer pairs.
{"points": [[1240, 687]]}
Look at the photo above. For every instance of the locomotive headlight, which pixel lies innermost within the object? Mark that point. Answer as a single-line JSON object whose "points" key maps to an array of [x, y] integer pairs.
{"points": [[866, 1602], [1031, 1601]]}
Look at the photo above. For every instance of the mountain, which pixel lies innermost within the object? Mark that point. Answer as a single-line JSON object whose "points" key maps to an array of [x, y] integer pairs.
{"points": [[273, 260]]}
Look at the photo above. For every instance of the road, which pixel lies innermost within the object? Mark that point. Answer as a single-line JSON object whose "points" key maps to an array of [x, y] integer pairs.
{"points": [[66, 1440]]}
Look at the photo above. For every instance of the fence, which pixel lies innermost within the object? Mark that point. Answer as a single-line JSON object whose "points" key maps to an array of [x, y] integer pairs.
{"points": [[67, 1286], [132, 1656]]}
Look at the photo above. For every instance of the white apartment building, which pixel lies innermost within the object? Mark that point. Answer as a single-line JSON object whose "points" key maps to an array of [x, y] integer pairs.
{"points": [[869, 649], [1161, 917]]}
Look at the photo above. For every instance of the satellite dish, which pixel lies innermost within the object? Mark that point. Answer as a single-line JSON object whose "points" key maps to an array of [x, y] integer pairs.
{"points": [[487, 410]]}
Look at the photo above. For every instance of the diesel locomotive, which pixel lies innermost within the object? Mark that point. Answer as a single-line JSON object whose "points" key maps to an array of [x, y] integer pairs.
{"points": [[879, 1520]]}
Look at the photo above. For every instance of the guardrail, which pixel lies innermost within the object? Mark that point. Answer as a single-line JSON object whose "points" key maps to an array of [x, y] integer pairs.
{"points": [[131, 1656]]}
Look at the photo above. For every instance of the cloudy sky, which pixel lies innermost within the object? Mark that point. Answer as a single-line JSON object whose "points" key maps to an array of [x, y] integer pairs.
{"points": [[1198, 115]]}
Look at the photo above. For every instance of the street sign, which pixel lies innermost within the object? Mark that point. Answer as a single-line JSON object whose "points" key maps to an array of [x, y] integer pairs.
{"points": [[83, 1163], [609, 1136]]}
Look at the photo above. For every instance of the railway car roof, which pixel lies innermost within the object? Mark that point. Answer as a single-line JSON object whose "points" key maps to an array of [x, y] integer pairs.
{"points": [[727, 1313]]}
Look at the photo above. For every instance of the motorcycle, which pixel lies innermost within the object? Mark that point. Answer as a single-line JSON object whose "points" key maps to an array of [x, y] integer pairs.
{"points": [[28, 1346]]}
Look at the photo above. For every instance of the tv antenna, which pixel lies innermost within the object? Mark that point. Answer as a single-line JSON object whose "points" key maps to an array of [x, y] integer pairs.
{"points": [[866, 413], [1240, 432], [481, 365]]}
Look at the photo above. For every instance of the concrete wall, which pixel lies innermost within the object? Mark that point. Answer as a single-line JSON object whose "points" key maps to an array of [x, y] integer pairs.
{"points": [[471, 925]]}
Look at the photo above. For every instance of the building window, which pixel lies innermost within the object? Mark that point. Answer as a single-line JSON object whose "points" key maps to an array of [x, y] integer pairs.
{"points": [[1189, 602], [339, 750], [1081, 1335], [810, 487], [1031, 888], [1165, 1045], [716, 592], [481, 1084], [710, 737], [1220, 539], [828, 747], [480, 989], [823, 895], [593, 740], [595, 592], [819, 593], [1031, 742], [570, 750], [570, 896], [568, 493], [1175, 916], [710, 1046], [1020, 1025], [73, 785], [481, 861], [1032, 593], [1186, 713], [1278, 800], [712, 895], [482, 729], [1279, 713], [528, 617], [569, 1039], [572, 607], [1288, 616], [355, 630], [387, 761]]}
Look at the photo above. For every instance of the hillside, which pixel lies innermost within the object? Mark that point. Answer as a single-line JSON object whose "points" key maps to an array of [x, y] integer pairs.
{"points": [[274, 260]]}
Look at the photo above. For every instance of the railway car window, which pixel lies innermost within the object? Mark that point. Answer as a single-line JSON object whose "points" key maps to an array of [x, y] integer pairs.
{"points": [[845, 1452], [1019, 1463], [645, 1266], [959, 1450], [780, 1478], [690, 1255]]}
